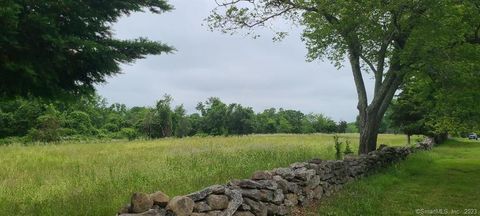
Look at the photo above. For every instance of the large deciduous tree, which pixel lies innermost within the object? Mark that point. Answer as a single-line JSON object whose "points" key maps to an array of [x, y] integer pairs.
{"points": [[383, 38], [52, 47]]}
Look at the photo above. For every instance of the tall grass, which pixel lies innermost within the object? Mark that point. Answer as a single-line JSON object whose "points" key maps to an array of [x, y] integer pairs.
{"points": [[98, 178]]}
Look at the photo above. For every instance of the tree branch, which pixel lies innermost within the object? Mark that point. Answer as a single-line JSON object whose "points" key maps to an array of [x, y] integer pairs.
{"points": [[381, 65], [266, 19], [359, 83], [388, 98], [231, 2], [368, 63]]}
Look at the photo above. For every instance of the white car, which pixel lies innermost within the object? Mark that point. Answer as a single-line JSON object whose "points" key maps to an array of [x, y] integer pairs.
{"points": [[473, 136]]}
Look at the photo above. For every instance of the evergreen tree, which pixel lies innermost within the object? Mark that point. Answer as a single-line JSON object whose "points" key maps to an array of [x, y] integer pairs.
{"points": [[52, 47]]}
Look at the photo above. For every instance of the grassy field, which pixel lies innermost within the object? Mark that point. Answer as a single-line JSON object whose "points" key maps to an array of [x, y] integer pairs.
{"points": [[444, 181], [98, 178]]}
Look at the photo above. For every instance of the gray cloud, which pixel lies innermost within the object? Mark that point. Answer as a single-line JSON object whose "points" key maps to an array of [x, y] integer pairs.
{"points": [[257, 73]]}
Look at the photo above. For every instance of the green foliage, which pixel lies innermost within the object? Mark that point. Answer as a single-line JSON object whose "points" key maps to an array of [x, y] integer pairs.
{"points": [[90, 117], [266, 121], [22, 115], [111, 127], [321, 123], [338, 147], [129, 133], [292, 120], [342, 127], [240, 120], [49, 48], [348, 148], [352, 127], [214, 113], [49, 126], [182, 124], [442, 94], [409, 115], [163, 118], [6, 124], [80, 122]]}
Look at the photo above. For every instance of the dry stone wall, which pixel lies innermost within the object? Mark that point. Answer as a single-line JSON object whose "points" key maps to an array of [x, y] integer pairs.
{"points": [[273, 192]]}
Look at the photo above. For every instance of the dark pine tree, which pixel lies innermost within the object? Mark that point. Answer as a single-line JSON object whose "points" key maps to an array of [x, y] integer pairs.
{"points": [[54, 47]]}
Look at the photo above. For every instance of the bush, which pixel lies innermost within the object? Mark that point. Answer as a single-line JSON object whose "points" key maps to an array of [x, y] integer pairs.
{"points": [[110, 127], [7, 123], [338, 147], [48, 129], [103, 134], [348, 149], [80, 122], [12, 140], [129, 133], [43, 135]]}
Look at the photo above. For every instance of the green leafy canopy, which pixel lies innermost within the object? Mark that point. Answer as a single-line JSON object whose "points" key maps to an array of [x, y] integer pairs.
{"points": [[49, 48]]}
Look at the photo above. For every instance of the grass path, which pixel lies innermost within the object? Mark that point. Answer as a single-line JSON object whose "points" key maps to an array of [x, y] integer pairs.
{"points": [[98, 178], [444, 180]]}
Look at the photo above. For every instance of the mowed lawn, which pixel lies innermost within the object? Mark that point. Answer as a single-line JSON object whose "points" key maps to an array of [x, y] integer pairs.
{"points": [[98, 178], [444, 181]]}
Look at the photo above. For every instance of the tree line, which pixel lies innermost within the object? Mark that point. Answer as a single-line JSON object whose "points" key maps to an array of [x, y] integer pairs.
{"points": [[32, 119], [36, 119]]}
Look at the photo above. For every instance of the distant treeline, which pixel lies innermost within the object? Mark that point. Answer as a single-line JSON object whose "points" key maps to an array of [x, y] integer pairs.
{"points": [[91, 117]]}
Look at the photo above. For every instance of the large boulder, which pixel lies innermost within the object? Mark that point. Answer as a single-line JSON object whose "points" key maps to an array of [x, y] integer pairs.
{"points": [[181, 206], [140, 202]]}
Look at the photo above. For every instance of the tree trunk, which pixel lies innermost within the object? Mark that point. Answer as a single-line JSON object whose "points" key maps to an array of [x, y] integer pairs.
{"points": [[386, 84], [408, 138], [368, 132]]}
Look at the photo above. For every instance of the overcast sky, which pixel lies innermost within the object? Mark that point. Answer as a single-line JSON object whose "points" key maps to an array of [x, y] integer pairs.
{"points": [[258, 73]]}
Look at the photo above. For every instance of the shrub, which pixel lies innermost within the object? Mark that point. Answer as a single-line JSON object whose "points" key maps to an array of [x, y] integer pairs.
{"points": [[129, 133], [12, 140], [47, 130], [348, 149], [80, 122], [43, 135], [338, 147], [110, 127]]}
